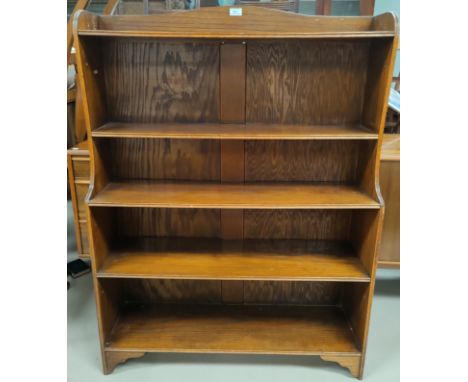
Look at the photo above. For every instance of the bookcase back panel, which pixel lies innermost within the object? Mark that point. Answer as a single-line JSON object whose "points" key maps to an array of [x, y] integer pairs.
{"points": [[254, 292], [162, 159], [167, 222], [151, 81], [317, 161], [190, 291], [292, 292], [258, 224], [310, 82], [297, 224]]}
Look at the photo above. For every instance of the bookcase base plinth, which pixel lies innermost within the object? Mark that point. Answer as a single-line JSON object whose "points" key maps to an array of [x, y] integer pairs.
{"points": [[114, 358], [352, 363]]}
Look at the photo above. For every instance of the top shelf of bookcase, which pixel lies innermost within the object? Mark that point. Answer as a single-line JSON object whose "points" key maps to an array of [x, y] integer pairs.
{"points": [[217, 23]]}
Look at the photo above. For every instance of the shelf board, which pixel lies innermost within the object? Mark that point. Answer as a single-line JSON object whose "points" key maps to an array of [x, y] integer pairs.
{"points": [[232, 196], [214, 259], [164, 34], [233, 329], [250, 131]]}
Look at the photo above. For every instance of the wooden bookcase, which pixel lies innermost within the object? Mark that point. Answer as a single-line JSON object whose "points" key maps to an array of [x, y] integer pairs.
{"points": [[234, 204]]}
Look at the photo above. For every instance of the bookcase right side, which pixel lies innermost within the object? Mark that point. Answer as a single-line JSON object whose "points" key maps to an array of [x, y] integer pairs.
{"points": [[366, 233]]}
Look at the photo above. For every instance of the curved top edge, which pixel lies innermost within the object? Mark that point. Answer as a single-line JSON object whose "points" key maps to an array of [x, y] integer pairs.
{"points": [[212, 22]]}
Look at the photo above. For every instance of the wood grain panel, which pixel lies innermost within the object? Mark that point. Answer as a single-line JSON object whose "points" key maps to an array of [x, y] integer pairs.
{"points": [[149, 222], [232, 90], [159, 159], [310, 82], [232, 98], [84, 240], [292, 292], [321, 161], [298, 224], [81, 168], [153, 291], [390, 188], [150, 81], [81, 191]]}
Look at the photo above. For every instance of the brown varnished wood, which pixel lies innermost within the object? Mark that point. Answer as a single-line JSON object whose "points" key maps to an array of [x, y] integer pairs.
{"points": [[306, 82], [75, 202], [292, 292], [366, 235], [390, 187], [284, 5], [232, 111], [312, 161], [232, 84], [323, 7], [81, 168], [181, 83], [298, 224], [71, 94], [375, 103], [158, 159], [390, 264], [245, 329], [80, 4], [81, 191], [390, 148], [351, 362], [233, 131], [232, 196], [366, 7], [161, 222], [83, 239], [91, 82], [172, 291], [78, 175], [234, 260], [232, 161], [80, 125], [146, 81], [114, 358], [256, 23]]}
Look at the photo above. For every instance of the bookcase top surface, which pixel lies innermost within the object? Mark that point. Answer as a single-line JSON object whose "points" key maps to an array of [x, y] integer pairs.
{"points": [[217, 23]]}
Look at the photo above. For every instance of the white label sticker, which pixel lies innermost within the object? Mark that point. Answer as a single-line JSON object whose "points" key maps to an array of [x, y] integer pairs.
{"points": [[235, 11]]}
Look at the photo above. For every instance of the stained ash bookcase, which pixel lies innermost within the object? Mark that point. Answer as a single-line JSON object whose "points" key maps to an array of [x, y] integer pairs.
{"points": [[234, 204]]}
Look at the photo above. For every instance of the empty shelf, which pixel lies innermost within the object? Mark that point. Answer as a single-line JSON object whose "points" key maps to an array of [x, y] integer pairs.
{"points": [[233, 329], [214, 259], [232, 196]]}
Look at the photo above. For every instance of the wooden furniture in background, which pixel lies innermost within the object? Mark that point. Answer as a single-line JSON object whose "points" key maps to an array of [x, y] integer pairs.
{"points": [[283, 5], [390, 187], [78, 176], [326, 7], [234, 166]]}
